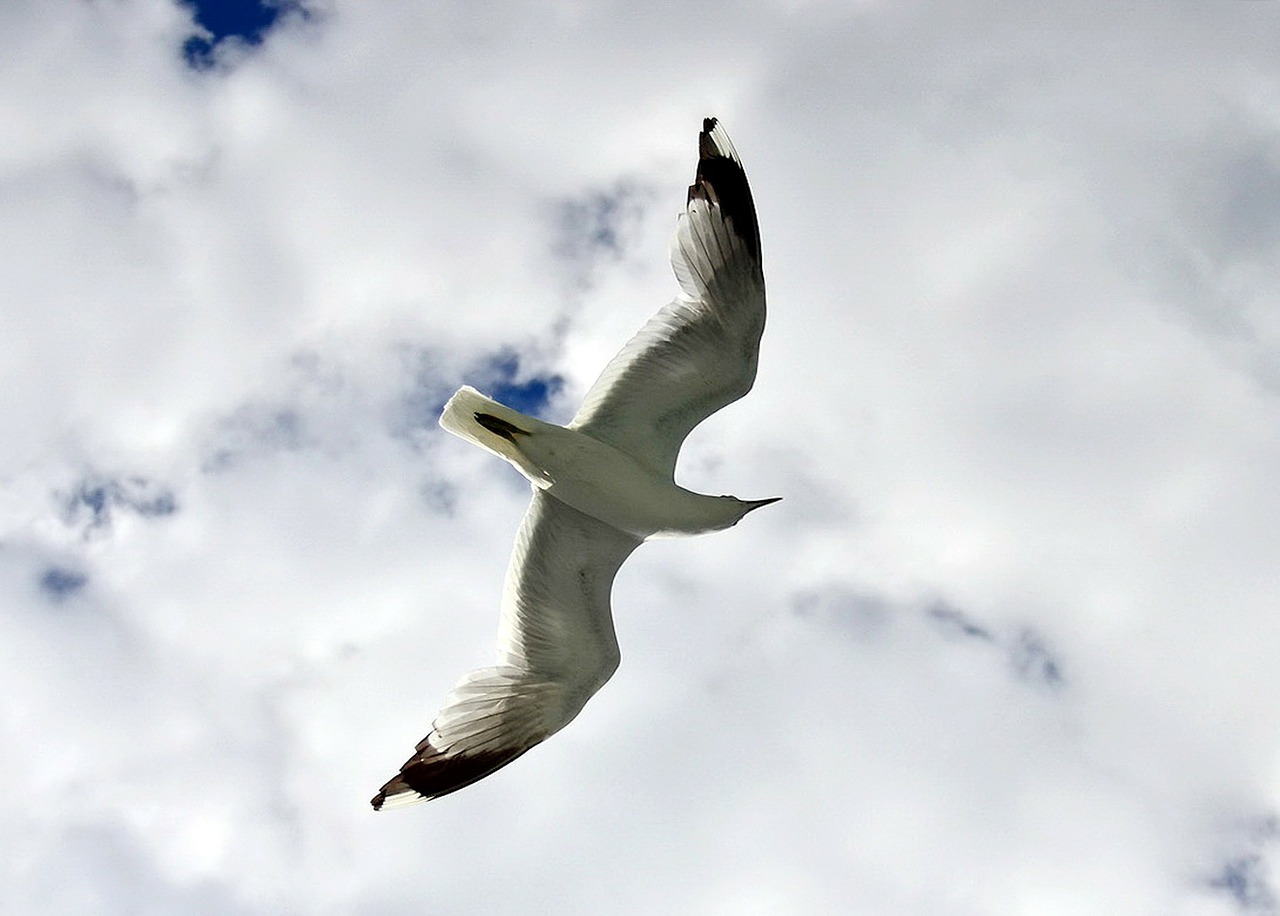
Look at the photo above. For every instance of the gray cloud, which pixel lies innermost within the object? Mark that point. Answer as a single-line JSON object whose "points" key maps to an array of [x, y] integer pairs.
{"points": [[1007, 645]]}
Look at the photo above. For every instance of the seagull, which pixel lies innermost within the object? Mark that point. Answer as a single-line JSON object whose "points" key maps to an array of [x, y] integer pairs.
{"points": [[601, 486]]}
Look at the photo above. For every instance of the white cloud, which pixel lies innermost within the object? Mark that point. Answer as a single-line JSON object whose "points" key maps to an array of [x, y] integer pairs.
{"points": [[1018, 390]]}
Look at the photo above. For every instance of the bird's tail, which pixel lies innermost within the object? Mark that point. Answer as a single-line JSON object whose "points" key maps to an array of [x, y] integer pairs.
{"points": [[494, 427]]}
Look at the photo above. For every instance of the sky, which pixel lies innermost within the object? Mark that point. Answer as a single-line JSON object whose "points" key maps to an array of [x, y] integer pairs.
{"points": [[1009, 643]]}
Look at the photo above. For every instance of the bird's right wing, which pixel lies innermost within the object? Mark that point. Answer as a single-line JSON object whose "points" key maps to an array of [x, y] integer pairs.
{"points": [[698, 353], [556, 648]]}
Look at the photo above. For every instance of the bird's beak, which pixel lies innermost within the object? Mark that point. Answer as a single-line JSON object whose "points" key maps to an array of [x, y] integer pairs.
{"points": [[753, 504]]}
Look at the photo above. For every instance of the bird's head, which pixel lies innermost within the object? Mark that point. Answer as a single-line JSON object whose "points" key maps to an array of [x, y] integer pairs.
{"points": [[742, 506]]}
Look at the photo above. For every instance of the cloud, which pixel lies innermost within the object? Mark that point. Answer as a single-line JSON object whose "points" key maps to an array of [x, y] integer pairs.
{"points": [[1008, 643]]}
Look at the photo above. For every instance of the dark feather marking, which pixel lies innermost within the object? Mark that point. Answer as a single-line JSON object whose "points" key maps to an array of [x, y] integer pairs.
{"points": [[500, 427], [433, 774], [721, 180]]}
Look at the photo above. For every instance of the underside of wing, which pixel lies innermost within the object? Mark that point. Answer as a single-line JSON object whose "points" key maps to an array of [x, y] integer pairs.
{"points": [[556, 648], [699, 353]]}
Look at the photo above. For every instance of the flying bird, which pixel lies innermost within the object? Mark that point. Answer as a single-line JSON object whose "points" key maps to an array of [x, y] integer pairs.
{"points": [[601, 486]]}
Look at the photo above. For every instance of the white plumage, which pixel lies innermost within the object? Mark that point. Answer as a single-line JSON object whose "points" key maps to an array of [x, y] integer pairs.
{"points": [[601, 486]]}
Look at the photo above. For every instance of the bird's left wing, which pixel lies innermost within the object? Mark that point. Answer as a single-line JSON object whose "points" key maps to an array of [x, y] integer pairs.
{"points": [[556, 648], [698, 353]]}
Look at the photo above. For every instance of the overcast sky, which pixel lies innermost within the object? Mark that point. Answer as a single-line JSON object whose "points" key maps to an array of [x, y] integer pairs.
{"points": [[1008, 645]]}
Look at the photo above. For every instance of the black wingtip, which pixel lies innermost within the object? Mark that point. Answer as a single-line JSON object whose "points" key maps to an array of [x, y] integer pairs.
{"points": [[722, 181], [430, 775]]}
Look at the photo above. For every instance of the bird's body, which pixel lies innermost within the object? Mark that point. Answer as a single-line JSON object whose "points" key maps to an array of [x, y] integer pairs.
{"points": [[601, 486], [591, 476]]}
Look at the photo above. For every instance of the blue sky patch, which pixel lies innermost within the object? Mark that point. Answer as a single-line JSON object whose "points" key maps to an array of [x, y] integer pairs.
{"points": [[60, 583], [245, 20], [94, 500], [1245, 881], [499, 376], [530, 395]]}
